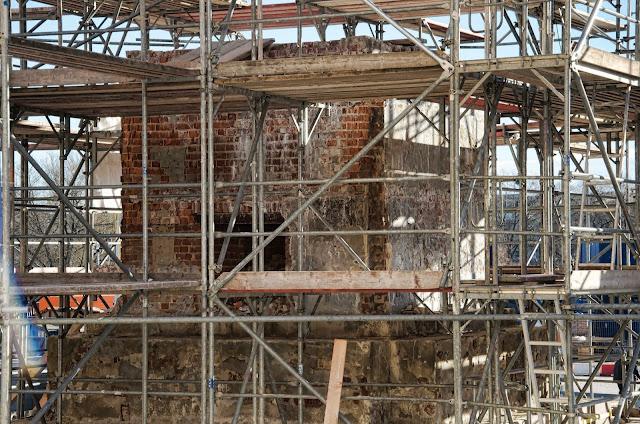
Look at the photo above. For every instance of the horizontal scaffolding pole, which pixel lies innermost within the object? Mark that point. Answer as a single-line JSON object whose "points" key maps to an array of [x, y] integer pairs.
{"points": [[308, 318], [443, 177], [108, 186]]}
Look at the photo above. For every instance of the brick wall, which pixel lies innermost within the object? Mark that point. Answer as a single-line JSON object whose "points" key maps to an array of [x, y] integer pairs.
{"points": [[174, 157]]}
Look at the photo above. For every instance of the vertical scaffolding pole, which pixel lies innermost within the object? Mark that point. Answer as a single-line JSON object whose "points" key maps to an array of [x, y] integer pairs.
{"points": [[24, 211], [566, 186], [260, 174], [207, 46], [303, 125], [145, 214], [24, 248], [253, 164], [65, 133], [206, 163], [87, 201], [547, 187], [5, 63], [454, 171], [523, 145]]}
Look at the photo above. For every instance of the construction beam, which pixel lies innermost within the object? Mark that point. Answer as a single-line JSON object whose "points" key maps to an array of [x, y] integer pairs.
{"points": [[35, 13], [244, 282], [333, 281], [332, 409], [63, 76], [66, 56], [326, 64], [608, 62]]}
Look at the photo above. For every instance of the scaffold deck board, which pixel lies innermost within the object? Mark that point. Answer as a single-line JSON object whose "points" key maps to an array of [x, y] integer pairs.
{"points": [[35, 13], [492, 291], [243, 282], [334, 281], [337, 78], [119, 99], [321, 79], [76, 58], [324, 64], [62, 76], [78, 286], [44, 138], [606, 281], [309, 282], [397, 9], [529, 278]]}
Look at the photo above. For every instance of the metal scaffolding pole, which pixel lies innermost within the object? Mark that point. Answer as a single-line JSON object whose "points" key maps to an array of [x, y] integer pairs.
{"points": [[455, 217], [145, 212], [5, 64]]}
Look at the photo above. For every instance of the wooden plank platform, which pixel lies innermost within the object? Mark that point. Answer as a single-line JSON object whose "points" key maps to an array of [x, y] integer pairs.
{"points": [[119, 99], [318, 79], [604, 281], [63, 76], [33, 284], [279, 12], [244, 282], [423, 8], [600, 63], [86, 60], [337, 78], [314, 282], [334, 281]]}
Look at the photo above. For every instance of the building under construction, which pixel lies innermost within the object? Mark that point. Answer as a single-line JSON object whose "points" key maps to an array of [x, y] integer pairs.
{"points": [[358, 211]]}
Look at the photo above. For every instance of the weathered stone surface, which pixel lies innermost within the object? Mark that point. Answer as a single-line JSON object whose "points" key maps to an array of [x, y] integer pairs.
{"points": [[414, 360]]}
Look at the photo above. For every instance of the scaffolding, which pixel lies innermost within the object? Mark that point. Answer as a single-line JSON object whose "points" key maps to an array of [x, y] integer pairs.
{"points": [[558, 79]]}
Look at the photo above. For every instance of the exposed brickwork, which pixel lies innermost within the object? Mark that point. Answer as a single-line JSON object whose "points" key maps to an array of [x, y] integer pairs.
{"points": [[174, 157], [344, 46]]}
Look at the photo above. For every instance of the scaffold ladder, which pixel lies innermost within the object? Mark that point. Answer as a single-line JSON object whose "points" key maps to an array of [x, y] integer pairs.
{"points": [[554, 371]]}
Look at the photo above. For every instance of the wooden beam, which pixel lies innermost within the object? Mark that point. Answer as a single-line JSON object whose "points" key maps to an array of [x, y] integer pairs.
{"points": [[62, 76], [334, 281], [244, 282], [66, 56], [609, 62], [326, 64], [36, 13], [231, 50], [332, 409], [605, 280], [73, 288]]}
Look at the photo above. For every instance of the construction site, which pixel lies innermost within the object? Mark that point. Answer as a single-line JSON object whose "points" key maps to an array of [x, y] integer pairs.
{"points": [[357, 211]]}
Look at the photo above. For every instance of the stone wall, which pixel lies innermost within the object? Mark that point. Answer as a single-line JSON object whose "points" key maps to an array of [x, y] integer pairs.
{"points": [[425, 360]]}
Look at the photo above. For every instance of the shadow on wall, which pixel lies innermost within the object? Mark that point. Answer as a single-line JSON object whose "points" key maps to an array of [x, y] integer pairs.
{"points": [[240, 247]]}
